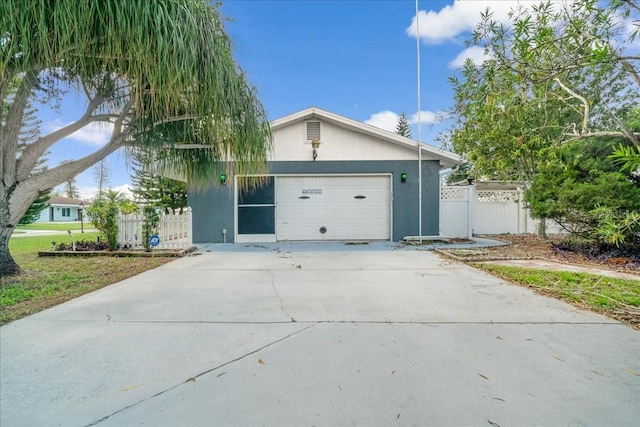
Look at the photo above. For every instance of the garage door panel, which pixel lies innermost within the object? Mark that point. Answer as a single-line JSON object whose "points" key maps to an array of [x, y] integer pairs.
{"points": [[344, 207], [373, 216], [286, 214], [323, 214]]}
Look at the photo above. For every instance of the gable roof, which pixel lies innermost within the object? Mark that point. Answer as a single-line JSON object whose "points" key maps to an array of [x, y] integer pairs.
{"points": [[57, 200], [447, 159]]}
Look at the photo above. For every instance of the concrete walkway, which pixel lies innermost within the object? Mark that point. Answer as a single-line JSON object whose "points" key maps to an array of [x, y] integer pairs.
{"points": [[23, 232], [312, 334]]}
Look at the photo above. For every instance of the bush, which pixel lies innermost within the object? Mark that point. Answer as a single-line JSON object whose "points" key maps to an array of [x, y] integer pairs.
{"points": [[81, 245], [583, 190], [151, 220], [104, 215]]}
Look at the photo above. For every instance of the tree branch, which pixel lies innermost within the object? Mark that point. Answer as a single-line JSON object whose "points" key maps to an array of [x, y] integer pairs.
{"points": [[615, 134], [104, 117], [32, 153], [585, 103], [630, 69], [625, 130], [65, 171], [59, 174]]}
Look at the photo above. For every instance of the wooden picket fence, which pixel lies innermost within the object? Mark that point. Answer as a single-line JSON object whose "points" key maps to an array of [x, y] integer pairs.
{"points": [[174, 231]]}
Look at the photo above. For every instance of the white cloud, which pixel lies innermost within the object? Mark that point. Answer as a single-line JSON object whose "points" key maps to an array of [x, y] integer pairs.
{"points": [[95, 134], [426, 117], [475, 53], [124, 189], [86, 192], [448, 23], [89, 192], [387, 120]]}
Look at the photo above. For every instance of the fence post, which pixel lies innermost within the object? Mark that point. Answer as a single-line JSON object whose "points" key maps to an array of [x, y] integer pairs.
{"points": [[189, 229], [121, 232], [522, 213], [471, 203]]}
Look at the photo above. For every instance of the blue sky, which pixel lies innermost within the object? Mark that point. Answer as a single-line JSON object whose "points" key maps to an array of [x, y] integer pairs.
{"points": [[353, 58]]}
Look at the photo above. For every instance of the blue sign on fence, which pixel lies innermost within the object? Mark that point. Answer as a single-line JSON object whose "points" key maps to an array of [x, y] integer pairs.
{"points": [[154, 240]]}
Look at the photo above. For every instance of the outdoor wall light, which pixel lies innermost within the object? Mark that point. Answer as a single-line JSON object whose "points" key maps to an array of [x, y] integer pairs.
{"points": [[223, 179], [315, 144], [403, 177]]}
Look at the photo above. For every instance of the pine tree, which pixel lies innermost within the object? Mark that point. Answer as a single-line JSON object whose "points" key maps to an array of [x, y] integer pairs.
{"points": [[33, 213], [403, 128], [168, 194]]}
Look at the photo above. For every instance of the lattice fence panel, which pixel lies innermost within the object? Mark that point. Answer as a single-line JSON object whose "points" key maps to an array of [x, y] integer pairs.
{"points": [[497, 196], [454, 193]]}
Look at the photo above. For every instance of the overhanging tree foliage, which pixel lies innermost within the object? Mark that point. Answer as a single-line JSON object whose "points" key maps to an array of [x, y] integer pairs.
{"points": [[160, 73], [557, 73]]}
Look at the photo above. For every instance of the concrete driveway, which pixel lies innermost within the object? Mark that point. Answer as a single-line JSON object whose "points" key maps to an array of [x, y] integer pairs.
{"points": [[317, 335]]}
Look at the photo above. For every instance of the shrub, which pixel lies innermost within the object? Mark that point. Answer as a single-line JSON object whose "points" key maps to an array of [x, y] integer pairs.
{"points": [[150, 222], [583, 189], [104, 215]]}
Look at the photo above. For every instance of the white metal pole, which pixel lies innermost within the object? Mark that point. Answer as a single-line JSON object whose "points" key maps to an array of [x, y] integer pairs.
{"points": [[419, 131]]}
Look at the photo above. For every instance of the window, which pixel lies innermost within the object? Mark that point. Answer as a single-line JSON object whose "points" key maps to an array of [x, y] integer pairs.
{"points": [[66, 212]]}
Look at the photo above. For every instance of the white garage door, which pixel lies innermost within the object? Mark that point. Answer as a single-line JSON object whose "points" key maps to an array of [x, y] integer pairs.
{"points": [[333, 208]]}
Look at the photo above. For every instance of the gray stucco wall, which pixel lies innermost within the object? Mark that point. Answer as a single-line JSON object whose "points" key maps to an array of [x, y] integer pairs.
{"points": [[213, 208]]}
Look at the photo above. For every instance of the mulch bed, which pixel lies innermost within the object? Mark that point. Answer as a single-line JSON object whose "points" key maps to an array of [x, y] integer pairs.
{"points": [[554, 248], [120, 253]]}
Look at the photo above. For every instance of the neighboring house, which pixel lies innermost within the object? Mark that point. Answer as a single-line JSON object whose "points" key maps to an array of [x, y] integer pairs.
{"points": [[330, 178], [60, 209]]}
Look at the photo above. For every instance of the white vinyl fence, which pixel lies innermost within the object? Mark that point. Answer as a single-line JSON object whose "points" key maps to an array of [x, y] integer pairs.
{"points": [[465, 212], [174, 231]]}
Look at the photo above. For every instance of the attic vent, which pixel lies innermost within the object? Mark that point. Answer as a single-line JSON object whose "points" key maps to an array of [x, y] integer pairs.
{"points": [[313, 130]]}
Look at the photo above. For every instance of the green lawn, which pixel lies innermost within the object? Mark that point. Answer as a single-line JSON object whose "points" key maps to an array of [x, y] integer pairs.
{"points": [[48, 281], [25, 246], [64, 226]]}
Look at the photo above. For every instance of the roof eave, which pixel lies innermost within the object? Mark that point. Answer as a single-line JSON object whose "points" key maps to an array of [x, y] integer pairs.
{"points": [[447, 159]]}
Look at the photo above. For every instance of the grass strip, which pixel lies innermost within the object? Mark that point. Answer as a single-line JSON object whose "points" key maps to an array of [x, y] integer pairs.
{"points": [[607, 295]]}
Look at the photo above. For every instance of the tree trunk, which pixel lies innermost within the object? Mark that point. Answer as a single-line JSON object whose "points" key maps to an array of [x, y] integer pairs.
{"points": [[542, 228], [7, 265], [8, 222]]}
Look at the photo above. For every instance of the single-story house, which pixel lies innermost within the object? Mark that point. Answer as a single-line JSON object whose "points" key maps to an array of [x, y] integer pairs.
{"points": [[329, 178], [63, 209]]}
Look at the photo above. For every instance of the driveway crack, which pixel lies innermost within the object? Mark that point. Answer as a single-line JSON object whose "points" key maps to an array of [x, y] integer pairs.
{"points": [[193, 378], [273, 285]]}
